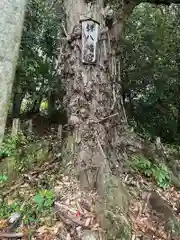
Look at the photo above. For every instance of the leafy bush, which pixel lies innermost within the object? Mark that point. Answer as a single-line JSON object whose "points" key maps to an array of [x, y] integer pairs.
{"points": [[11, 143], [3, 179], [38, 205], [43, 199], [159, 172], [8, 147]]}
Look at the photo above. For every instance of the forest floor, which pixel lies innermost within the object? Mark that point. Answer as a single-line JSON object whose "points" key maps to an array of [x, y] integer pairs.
{"points": [[45, 204], [147, 222]]}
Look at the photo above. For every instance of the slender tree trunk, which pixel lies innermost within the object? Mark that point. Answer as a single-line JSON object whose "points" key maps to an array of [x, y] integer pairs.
{"points": [[11, 23], [16, 109], [17, 100], [95, 111], [36, 105], [51, 103]]}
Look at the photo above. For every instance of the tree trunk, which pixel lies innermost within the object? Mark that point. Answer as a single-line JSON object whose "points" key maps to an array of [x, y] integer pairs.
{"points": [[95, 113], [15, 127], [17, 100], [36, 104], [51, 103], [11, 22], [16, 109]]}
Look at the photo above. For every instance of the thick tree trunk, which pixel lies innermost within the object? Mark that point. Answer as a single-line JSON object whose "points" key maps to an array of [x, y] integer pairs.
{"points": [[95, 112], [11, 21]]}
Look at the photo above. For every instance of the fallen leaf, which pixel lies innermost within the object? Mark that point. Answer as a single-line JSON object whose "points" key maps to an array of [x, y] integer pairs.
{"points": [[10, 201], [55, 229], [77, 214], [3, 224], [42, 229]]}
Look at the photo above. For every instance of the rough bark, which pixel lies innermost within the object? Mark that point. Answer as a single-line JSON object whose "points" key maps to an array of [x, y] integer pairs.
{"points": [[96, 118], [95, 113], [11, 22]]}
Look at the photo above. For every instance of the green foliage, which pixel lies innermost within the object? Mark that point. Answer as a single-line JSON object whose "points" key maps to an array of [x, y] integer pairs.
{"points": [[8, 147], [150, 71], [44, 105], [6, 209], [38, 45], [38, 205], [36, 74], [11, 143], [21, 153], [142, 164], [159, 172], [161, 175], [43, 199], [3, 179]]}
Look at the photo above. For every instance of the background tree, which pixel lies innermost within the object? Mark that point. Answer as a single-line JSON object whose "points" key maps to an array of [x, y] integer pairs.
{"points": [[36, 76], [11, 18], [150, 71]]}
